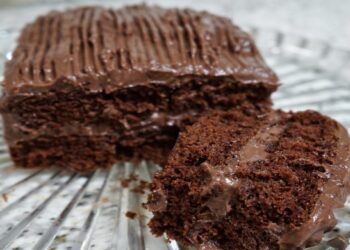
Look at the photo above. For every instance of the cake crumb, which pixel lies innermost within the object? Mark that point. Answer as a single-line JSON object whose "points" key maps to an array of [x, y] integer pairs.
{"points": [[125, 182], [104, 200], [131, 215], [143, 185], [5, 197]]}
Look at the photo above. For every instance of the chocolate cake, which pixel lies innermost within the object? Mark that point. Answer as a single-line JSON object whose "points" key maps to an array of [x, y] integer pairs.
{"points": [[90, 86], [243, 179]]}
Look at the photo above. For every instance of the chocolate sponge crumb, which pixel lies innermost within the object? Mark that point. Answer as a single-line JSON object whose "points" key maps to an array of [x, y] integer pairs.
{"points": [[142, 187], [131, 215], [125, 182], [5, 197]]}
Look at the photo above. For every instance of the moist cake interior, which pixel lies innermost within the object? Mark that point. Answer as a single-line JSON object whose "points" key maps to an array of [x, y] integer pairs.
{"points": [[249, 180]]}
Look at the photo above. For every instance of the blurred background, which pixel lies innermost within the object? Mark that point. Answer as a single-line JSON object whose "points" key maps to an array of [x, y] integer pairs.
{"points": [[321, 19]]}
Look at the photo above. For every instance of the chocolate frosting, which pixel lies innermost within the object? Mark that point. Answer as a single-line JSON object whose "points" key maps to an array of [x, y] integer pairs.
{"points": [[101, 49]]}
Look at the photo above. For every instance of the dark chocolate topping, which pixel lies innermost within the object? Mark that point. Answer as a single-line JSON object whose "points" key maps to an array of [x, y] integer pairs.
{"points": [[103, 49]]}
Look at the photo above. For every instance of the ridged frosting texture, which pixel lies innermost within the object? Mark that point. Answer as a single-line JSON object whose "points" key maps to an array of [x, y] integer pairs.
{"points": [[103, 49]]}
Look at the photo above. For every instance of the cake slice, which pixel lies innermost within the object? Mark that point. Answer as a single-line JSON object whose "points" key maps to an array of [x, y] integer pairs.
{"points": [[243, 179], [90, 86]]}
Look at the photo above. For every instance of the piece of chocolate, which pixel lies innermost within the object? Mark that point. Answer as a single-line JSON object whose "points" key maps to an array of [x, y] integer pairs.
{"points": [[243, 179], [89, 86]]}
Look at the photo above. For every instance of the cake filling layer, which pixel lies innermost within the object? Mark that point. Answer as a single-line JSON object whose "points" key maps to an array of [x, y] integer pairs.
{"points": [[131, 107]]}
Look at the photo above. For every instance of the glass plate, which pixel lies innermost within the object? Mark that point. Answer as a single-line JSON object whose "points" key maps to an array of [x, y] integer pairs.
{"points": [[56, 209]]}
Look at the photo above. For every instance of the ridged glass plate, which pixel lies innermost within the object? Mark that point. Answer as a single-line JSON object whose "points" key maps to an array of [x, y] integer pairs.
{"points": [[55, 209]]}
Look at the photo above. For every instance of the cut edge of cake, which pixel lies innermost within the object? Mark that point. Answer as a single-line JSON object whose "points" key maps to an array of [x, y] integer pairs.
{"points": [[243, 179]]}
